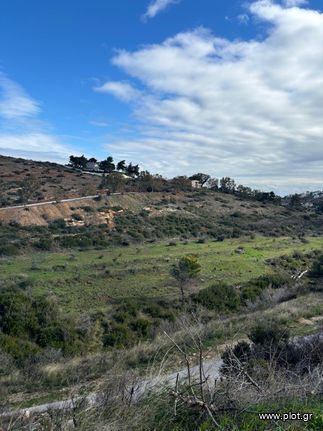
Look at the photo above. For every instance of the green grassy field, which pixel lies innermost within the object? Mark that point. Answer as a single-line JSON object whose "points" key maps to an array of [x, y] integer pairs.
{"points": [[84, 281]]}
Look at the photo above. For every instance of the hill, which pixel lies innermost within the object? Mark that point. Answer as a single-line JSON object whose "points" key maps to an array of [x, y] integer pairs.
{"points": [[88, 289], [23, 181], [139, 215]]}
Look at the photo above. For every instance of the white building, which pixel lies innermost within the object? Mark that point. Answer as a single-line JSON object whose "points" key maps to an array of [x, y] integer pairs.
{"points": [[92, 166], [196, 184]]}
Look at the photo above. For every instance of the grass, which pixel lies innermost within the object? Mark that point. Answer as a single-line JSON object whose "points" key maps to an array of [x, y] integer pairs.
{"points": [[94, 279]]}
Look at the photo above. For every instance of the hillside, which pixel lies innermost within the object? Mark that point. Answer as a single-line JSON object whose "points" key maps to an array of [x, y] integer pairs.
{"points": [[26, 180], [90, 288], [137, 214]]}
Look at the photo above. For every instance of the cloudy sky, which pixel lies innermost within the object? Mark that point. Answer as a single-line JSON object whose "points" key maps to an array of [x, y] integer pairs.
{"points": [[230, 88]]}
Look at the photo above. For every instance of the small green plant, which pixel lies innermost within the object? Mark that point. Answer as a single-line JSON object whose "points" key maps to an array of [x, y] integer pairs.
{"points": [[186, 270]]}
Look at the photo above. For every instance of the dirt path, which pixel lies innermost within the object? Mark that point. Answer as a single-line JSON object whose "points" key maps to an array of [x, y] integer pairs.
{"points": [[211, 370], [38, 204]]}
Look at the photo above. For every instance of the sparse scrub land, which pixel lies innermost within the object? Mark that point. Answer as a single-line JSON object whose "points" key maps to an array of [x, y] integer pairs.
{"points": [[97, 296]]}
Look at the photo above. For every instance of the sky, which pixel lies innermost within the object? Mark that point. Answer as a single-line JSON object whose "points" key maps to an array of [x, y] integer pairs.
{"points": [[230, 88]]}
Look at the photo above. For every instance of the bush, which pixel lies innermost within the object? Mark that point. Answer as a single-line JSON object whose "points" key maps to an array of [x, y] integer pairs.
{"points": [[57, 224], [241, 352], [44, 244], [34, 321], [253, 289], [317, 268], [141, 326], [219, 297], [119, 336], [18, 348], [269, 333], [9, 250], [76, 217], [57, 335], [88, 209], [158, 311]]}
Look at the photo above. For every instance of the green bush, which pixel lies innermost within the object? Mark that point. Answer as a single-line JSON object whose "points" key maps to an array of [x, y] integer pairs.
{"points": [[9, 250], [17, 317], [158, 311], [141, 326], [57, 225], [317, 268], [57, 335], [88, 209], [25, 319], [76, 217], [253, 289], [44, 244], [18, 348], [267, 333], [219, 297], [119, 335]]}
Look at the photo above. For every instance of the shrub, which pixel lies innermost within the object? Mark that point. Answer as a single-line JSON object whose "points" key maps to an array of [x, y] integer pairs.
{"points": [[159, 312], [240, 352], [119, 335], [317, 268], [44, 244], [57, 224], [141, 326], [57, 335], [9, 250], [18, 348], [33, 320], [88, 209], [253, 289], [267, 333], [76, 217], [219, 297]]}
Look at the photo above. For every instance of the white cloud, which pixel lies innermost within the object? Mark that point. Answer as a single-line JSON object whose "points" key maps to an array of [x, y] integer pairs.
{"points": [[99, 123], [22, 133], [243, 18], [37, 146], [295, 3], [157, 6], [14, 102], [121, 90], [251, 109]]}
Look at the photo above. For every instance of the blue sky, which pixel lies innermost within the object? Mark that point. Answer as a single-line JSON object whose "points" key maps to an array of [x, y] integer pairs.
{"points": [[227, 87]]}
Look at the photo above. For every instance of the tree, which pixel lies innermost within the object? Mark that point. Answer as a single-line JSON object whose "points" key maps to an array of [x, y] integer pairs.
{"points": [[121, 166], [114, 182], [181, 183], [295, 201], [78, 162], [107, 165], [184, 272], [202, 178], [244, 192], [227, 185], [132, 170], [213, 184], [149, 182]]}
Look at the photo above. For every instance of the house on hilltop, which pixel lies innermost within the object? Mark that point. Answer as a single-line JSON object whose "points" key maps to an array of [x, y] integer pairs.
{"points": [[196, 184], [92, 165]]}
